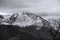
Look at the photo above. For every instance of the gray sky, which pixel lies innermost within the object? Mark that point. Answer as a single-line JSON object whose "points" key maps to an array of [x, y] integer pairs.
{"points": [[36, 6]]}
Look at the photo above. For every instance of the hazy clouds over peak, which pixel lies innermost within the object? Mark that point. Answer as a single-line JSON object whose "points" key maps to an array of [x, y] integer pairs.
{"points": [[49, 6]]}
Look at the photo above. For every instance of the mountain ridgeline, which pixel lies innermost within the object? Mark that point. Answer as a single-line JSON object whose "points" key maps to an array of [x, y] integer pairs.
{"points": [[27, 26], [27, 19]]}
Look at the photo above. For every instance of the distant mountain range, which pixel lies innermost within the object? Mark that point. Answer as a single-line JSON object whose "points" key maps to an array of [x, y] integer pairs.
{"points": [[27, 19], [28, 24]]}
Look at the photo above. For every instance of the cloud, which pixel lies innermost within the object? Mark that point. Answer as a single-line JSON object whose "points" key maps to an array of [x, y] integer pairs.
{"points": [[49, 6]]}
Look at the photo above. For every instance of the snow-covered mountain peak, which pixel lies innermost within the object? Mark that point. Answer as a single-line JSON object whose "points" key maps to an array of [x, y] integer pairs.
{"points": [[27, 19]]}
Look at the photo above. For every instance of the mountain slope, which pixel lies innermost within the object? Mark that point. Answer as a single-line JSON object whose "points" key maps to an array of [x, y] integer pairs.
{"points": [[28, 23], [10, 32], [27, 19]]}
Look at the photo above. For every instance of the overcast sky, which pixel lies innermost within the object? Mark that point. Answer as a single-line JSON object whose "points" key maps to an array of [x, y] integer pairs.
{"points": [[36, 6]]}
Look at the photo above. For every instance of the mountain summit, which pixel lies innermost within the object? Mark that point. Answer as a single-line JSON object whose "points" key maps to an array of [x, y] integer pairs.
{"points": [[28, 19], [25, 19]]}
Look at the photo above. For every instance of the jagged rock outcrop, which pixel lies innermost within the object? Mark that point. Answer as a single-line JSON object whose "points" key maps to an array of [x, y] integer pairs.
{"points": [[8, 19], [1, 17], [12, 18]]}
